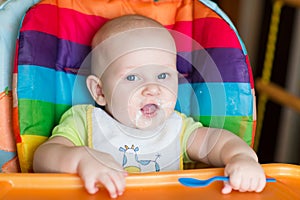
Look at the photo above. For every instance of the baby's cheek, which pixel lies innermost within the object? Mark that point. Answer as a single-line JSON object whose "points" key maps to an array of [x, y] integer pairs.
{"points": [[132, 113], [168, 102], [168, 112]]}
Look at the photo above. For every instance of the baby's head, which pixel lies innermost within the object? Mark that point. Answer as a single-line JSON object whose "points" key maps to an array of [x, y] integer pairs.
{"points": [[134, 71]]}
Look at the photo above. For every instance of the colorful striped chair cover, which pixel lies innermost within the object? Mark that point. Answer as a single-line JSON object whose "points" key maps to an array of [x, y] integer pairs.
{"points": [[55, 38]]}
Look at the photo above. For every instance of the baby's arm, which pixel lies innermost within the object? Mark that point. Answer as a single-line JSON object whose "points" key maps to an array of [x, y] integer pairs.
{"points": [[220, 148], [61, 156]]}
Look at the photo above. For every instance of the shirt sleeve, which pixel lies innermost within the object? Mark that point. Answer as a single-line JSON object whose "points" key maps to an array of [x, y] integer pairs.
{"points": [[189, 126], [73, 125]]}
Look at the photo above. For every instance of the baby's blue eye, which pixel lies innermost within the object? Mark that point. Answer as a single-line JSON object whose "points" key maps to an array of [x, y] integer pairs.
{"points": [[132, 78], [162, 76]]}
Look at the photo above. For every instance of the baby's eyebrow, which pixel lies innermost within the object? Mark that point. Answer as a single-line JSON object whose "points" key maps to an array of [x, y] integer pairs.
{"points": [[125, 72], [127, 69]]}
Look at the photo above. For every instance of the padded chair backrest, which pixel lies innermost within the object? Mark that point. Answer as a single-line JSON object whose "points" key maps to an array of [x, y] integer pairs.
{"points": [[11, 13], [55, 39]]}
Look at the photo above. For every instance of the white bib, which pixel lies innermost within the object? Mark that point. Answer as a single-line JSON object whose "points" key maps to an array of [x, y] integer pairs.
{"points": [[138, 150]]}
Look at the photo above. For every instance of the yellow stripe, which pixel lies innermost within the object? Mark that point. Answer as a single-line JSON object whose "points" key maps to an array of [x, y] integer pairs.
{"points": [[26, 150]]}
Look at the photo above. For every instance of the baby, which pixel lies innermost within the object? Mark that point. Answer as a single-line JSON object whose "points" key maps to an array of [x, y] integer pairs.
{"points": [[134, 78]]}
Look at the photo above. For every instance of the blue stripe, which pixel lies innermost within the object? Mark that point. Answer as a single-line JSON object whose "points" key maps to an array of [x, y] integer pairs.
{"points": [[44, 84], [215, 99]]}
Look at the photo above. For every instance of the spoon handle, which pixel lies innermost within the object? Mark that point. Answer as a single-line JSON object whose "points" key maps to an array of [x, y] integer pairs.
{"points": [[226, 178], [193, 182], [221, 178]]}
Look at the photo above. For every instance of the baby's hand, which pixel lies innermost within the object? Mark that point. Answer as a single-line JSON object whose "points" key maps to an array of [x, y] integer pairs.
{"points": [[245, 175], [98, 167]]}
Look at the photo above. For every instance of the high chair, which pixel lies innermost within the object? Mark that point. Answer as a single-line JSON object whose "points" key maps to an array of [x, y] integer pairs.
{"points": [[54, 39]]}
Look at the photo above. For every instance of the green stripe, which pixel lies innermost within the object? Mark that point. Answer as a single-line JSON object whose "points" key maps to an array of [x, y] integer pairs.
{"points": [[39, 117], [241, 126]]}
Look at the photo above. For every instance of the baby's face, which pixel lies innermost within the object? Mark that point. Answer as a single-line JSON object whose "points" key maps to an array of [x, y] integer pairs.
{"points": [[140, 88]]}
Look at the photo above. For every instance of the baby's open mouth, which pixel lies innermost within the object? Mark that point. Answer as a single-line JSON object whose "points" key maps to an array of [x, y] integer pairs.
{"points": [[149, 110]]}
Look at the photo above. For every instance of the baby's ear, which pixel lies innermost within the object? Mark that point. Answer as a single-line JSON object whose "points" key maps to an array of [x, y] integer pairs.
{"points": [[94, 85]]}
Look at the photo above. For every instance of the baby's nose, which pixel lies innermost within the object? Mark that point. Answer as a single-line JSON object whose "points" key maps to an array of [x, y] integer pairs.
{"points": [[151, 90]]}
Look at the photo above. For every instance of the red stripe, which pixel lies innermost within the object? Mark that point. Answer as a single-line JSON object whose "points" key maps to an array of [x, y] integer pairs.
{"points": [[15, 66], [16, 125], [80, 28], [214, 32], [208, 32], [63, 23]]}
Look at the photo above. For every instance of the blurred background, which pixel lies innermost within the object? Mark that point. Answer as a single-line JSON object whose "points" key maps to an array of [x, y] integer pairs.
{"points": [[280, 130]]}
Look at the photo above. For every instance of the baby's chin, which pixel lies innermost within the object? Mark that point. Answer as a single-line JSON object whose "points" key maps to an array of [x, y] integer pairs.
{"points": [[148, 127]]}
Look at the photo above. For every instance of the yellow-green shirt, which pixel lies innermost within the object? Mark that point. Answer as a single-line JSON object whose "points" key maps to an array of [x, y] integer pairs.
{"points": [[162, 149]]}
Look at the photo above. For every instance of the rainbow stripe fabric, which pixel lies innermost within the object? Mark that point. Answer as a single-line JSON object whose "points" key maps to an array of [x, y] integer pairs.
{"points": [[216, 87]]}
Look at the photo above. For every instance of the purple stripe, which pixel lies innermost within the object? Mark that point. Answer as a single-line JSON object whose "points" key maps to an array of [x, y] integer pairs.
{"points": [[46, 50], [213, 65]]}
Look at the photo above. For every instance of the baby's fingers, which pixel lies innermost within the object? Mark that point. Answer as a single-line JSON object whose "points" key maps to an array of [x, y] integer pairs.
{"points": [[247, 184], [227, 188], [261, 185], [119, 181], [110, 184], [252, 184], [90, 186]]}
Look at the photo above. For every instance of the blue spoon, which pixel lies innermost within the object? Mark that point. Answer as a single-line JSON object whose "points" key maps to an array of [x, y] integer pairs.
{"points": [[193, 182]]}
